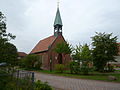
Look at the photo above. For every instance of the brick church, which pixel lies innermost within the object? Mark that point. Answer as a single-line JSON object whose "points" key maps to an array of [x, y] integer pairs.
{"points": [[45, 47]]}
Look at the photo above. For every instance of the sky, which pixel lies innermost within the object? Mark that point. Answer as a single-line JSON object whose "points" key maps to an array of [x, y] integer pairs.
{"points": [[32, 20]]}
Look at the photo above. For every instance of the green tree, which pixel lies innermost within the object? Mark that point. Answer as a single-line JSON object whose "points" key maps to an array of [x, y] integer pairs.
{"points": [[83, 55], [104, 49], [62, 48], [4, 36], [32, 61], [77, 52], [86, 54], [8, 52]]}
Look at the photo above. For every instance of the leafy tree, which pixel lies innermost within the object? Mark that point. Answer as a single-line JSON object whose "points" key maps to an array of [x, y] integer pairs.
{"points": [[85, 54], [74, 67], [32, 61], [86, 59], [104, 49], [62, 48], [77, 52], [8, 52], [4, 36]]}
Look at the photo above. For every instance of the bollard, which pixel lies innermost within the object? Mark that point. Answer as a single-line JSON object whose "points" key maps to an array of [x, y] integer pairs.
{"points": [[32, 77], [32, 81]]}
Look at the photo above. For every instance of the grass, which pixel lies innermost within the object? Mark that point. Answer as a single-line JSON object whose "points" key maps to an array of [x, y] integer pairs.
{"points": [[91, 76]]}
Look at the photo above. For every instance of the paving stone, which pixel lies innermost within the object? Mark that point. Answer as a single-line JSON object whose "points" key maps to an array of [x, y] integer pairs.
{"points": [[65, 83]]}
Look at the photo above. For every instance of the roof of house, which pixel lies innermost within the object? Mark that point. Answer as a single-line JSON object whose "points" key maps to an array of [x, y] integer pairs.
{"points": [[22, 54], [43, 45]]}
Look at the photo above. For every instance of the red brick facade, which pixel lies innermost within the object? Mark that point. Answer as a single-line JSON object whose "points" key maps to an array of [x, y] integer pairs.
{"points": [[50, 57]]}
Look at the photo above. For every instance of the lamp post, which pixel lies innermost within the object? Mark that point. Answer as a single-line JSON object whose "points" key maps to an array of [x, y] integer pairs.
{"points": [[50, 65]]}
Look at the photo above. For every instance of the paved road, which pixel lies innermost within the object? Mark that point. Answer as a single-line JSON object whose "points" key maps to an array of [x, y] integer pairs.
{"points": [[64, 83]]}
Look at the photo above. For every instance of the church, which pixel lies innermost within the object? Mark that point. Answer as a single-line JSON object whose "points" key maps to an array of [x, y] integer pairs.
{"points": [[45, 47]]}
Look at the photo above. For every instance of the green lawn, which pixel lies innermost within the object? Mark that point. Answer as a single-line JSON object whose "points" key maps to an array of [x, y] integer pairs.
{"points": [[92, 76]]}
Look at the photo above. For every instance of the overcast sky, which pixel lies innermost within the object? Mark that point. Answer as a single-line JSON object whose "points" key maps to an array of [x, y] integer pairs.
{"points": [[32, 20]]}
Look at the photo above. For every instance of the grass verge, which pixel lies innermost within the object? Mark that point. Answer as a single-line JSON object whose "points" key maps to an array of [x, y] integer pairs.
{"points": [[91, 76]]}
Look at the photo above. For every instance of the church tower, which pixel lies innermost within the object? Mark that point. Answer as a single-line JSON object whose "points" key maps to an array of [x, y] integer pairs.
{"points": [[58, 23], [45, 47]]}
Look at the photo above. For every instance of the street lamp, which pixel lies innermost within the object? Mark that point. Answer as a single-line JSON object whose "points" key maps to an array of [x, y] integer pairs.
{"points": [[50, 65]]}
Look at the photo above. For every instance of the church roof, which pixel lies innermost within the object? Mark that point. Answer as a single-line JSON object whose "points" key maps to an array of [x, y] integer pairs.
{"points": [[58, 20], [43, 45]]}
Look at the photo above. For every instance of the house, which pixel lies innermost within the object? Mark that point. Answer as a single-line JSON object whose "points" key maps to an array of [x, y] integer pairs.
{"points": [[21, 55], [117, 58], [45, 47]]}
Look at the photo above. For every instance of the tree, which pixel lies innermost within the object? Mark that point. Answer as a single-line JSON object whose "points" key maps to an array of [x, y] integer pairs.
{"points": [[32, 61], [62, 48], [4, 36], [8, 52], [77, 52], [85, 54], [104, 49]]}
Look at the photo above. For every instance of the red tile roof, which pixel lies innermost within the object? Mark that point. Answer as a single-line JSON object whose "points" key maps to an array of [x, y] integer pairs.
{"points": [[22, 54], [43, 45]]}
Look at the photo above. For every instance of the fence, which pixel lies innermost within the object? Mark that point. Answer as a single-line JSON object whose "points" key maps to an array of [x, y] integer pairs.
{"points": [[22, 80], [21, 74]]}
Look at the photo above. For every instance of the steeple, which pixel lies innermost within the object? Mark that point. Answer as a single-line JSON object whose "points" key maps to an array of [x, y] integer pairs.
{"points": [[58, 20], [58, 23]]}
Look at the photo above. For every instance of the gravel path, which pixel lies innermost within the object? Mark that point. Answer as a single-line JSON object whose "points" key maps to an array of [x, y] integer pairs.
{"points": [[65, 83]]}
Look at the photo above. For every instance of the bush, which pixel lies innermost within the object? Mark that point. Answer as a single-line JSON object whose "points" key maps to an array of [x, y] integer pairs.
{"points": [[111, 68], [60, 68], [31, 62], [77, 69], [42, 86], [85, 69], [74, 67], [8, 82]]}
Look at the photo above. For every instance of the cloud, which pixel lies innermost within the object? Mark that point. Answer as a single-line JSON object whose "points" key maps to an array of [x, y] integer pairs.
{"points": [[32, 20]]}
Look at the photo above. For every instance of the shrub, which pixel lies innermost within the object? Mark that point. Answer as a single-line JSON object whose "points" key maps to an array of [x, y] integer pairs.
{"points": [[8, 82], [42, 86], [85, 69], [74, 67], [31, 61], [60, 68], [111, 68]]}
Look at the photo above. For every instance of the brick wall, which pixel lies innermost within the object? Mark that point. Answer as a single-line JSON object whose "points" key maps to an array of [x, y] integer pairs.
{"points": [[51, 54], [66, 58]]}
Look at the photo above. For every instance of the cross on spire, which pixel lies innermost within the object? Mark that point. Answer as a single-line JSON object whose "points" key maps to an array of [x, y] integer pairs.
{"points": [[58, 2]]}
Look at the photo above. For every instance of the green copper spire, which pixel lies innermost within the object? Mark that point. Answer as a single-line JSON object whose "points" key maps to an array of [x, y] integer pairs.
{"points": [[58, 20], [58, 23]]}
